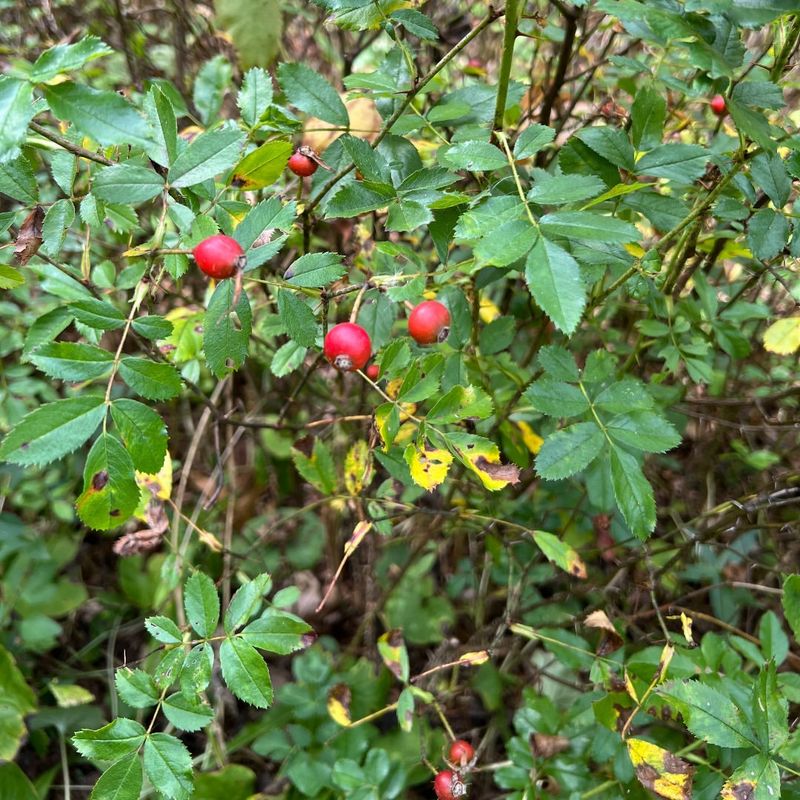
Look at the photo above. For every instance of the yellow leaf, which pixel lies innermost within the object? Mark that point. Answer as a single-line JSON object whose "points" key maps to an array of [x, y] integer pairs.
{"points": [[488, 310], [160, 484], [532, 439], [359, 532], [686, 624], [474, 659], [393, 387], [339, 705], [428, 467], [661, 771], [783, 336], [358, 467], [630, 688]]}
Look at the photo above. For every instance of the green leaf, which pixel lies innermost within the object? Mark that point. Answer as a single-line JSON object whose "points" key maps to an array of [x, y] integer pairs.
{"points": [[610, 143], [121, 781], [774, 642], [152, 326], [16, 701], [588, 226], [201, 602], [316, 269], [136, 687], [169, 667], [509, 242], [18, 181], [149, 379], [768, 172], [15, 784], [287, 358], [682, 163], [245, 672], [164, 630], [709, 714], [395, 358], [474, 156], [554, 279], [416, 23], [761, 94], [187, 713], [770, 709], [164, 127], [16, 111], [460, 403], [556, 398], [69, 361], [359, 198], [648, 112], [307, 90], [10, 278], [633, 493], [767, 233], [264, 165], [791, 603], [559, 363], [226, 331], [53, 430], [104, 116], [569, 450], [644, 430], [753, 124], [111, 742], [110, 492], [168, 765], [628, 394], [127, 183], [67, 58], [143, 432], [560, 189], [276, 632], [246, 602], [210, 85], [210, 154], [298, 318], [532, 140], [57, 221], [46, 328], [255, 96], [406, 215], [97, 314], [266, 216], [369, 163], [197, 669]]}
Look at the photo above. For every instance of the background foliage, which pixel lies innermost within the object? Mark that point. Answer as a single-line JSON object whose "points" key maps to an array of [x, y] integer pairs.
{"points": [[568, 534]]}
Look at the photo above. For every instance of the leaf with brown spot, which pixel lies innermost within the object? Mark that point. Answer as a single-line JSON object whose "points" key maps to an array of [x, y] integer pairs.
{"points": [[544, 745], [29, 237], [339, 704], [660, 771]]}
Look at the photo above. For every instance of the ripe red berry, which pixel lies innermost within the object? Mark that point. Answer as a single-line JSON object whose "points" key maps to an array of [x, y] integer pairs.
{"points": [[448, 785], [373, 370], [461, 752], [219, 256], [429, 322], [301, 164], [475, 63], [718, 105], [347, 346]]}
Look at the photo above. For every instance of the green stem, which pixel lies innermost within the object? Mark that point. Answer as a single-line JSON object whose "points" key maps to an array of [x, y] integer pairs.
{"points": [[513, 9], [789, 45]]}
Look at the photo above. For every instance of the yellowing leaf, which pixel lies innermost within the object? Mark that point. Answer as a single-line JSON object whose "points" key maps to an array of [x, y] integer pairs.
{"points": [[359, 532], [160, 484], [483, 458], [339, 705], [357, 467], [783, 336], [474, 659], [661, 771], [532, 439], [428, 467], [686, 624], [394, 654], [263, 166], [635, 250], [560, 553]]}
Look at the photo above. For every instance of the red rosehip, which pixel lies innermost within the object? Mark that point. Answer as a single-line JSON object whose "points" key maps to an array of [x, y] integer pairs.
{"points": [[475, 63], [718, 105], [219, 256], [429, 322], [461, 752], [347, 346], [373, 370], [301, 164], [448, 785]]}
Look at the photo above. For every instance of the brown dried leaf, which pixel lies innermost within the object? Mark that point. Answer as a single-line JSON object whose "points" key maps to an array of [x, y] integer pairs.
{"points": [[544, 745], [29, 237]]}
